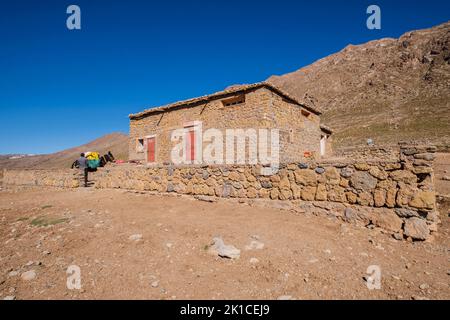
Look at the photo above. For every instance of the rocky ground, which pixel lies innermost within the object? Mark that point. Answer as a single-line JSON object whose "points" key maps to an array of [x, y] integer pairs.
{"points": [[139, 246], [388, 90]]}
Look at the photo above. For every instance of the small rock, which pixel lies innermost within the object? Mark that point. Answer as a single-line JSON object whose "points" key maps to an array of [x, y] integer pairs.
{"points": [[303, 165], [46, 252], [319, 170], [254, 261], [29, 275], [206, 198], [446, 178], [219, 248], [284, 298], [9, 298], [29, 263], [255, 245], [424, 286], [155, 284], [416, 228], [364, 254], [398, 236], [169, 245], [13, 274], [135, 237]]}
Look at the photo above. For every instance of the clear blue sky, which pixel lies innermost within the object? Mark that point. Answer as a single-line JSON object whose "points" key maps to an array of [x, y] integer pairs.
{"points": [[62, 88]]}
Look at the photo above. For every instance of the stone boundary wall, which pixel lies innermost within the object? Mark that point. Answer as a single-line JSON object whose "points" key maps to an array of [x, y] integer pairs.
{"points": [[395, 195], [66, 178]]}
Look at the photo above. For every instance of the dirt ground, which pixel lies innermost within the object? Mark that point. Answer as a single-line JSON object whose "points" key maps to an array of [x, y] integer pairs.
{"points": [[304, 256]]}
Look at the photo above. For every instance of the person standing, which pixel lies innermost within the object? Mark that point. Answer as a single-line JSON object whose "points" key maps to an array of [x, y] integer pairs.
{"points": [[83, 167]]}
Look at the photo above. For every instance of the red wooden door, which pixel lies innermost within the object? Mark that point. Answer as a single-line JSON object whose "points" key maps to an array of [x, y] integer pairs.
{"points": [[191, 146], [151, 149]]}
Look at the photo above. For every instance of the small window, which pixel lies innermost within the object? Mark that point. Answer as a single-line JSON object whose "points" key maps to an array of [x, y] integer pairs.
{"points": [[305, 113], [234, 100], [140, 145]]}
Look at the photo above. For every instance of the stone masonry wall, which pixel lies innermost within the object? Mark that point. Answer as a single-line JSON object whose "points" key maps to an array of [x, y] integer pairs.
{"points": [[67, 178], [395, 195]]}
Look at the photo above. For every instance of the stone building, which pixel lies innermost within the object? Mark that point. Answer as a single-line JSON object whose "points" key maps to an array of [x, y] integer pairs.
{"points": [[256, 106]]}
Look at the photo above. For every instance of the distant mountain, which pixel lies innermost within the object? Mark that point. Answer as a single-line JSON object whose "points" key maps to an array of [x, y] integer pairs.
{"points": [[117, 143], [388, 90]]}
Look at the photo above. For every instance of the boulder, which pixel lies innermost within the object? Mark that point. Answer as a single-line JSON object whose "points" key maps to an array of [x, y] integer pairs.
{"points": [[332, 176], [337, 194], [347, 172], [321, 193], [285, 194], [219, 248], [425, 156], [379, 197], [406, 213], [387, 219], [423, 200], [319, 170], [363, 181], [351, 197], [422, 169], [274, 194], [390, 197], [252, 193], [403, 176], [416, 228], [377, 173], [308, 193], [29, 275], [360, 215], [362, 166], [284, 183], [365, 199], [305, 177], [266, 184]]}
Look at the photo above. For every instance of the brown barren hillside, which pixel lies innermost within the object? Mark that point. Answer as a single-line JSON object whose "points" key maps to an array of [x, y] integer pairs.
{"points": [[117, 143], [388, 90]]}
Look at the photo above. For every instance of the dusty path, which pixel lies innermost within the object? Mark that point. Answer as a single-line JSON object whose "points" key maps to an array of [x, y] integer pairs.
{"points": [[304, 256]]}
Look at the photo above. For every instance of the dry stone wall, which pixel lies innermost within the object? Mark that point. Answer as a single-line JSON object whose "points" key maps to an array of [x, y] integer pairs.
{"points": [[395, 195], [51, 178]]}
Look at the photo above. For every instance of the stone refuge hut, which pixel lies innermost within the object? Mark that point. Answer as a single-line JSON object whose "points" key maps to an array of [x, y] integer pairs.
{"points": [[255, 106]]}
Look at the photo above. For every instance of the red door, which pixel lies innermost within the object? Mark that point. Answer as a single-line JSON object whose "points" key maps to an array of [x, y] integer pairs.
{"points": [[191, 146], [151, 149]]}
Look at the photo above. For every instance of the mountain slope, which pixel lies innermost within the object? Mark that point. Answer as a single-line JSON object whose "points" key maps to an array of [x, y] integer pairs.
{"points": [[117, 143], [388, 90]]}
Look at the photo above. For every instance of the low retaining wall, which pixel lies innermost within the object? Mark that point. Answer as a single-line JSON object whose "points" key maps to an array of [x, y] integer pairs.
{"points": [[396, 195], [67, 178]]}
